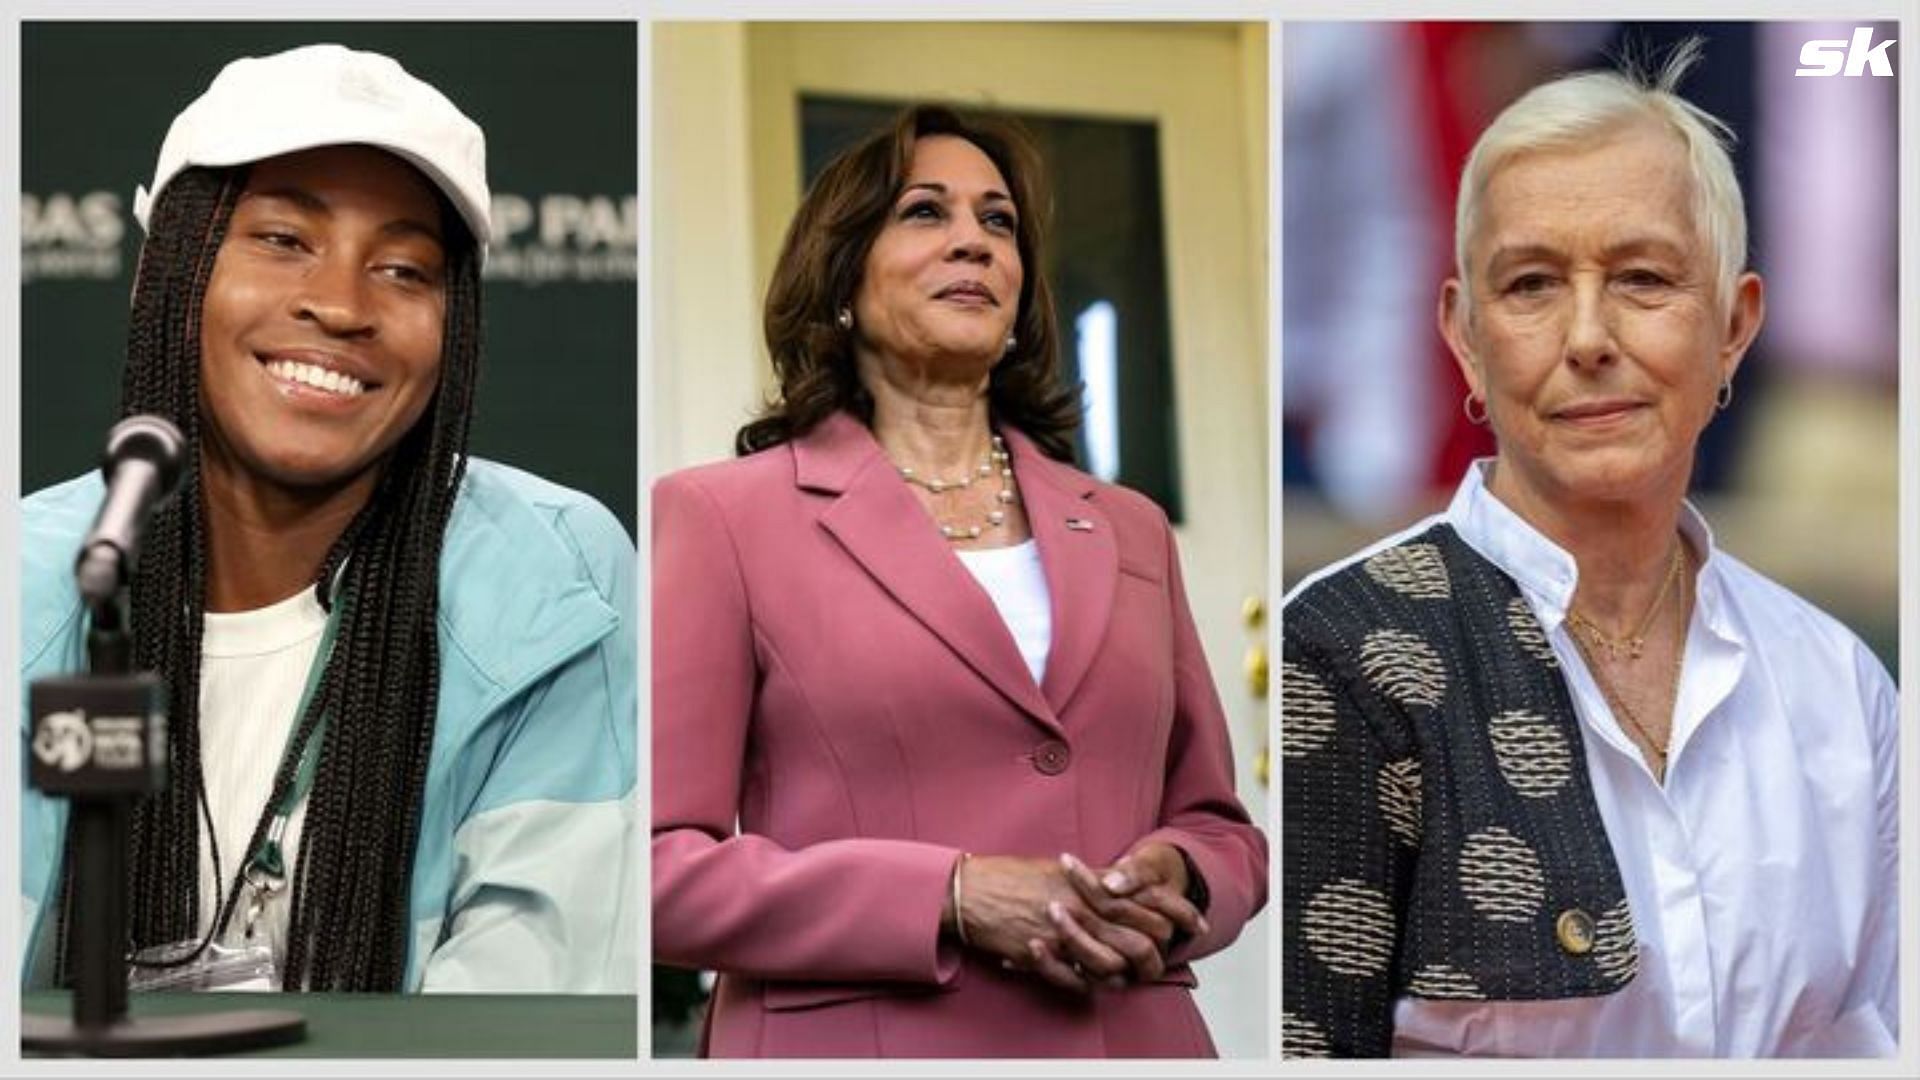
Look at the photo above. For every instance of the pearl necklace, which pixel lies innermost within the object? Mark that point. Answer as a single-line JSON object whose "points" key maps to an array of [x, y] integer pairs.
{"points": [[996, 461]]}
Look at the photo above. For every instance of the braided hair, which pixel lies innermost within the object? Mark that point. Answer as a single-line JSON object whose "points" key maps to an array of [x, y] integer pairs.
{"points": [[349, 927]]}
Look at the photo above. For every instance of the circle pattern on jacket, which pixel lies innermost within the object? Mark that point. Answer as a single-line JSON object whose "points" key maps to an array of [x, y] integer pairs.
{"points": [[1398, 794], [1414, 570], [1302, 1038], [1306, 712], [1348, 926], [1533, 754], [1441, 981], [1614, 950], [1501, 876], [1526, 631], [1404, 668]]}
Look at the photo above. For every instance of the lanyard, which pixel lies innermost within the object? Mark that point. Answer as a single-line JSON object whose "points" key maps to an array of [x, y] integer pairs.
{"points": [[265, 870]]}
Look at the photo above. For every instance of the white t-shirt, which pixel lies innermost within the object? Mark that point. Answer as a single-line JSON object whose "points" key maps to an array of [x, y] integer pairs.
{"points": [[253, 672], [1015, 580]]}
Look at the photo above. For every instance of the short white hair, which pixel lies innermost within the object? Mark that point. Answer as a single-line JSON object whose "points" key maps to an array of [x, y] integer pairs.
{"points": [[1572, 110]]}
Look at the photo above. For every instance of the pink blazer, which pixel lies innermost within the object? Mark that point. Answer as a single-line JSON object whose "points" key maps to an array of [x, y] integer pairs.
{"points": [[828, 677]]}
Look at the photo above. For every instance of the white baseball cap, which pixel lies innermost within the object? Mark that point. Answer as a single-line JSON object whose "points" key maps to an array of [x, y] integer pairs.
{"points": [[327, 95]]}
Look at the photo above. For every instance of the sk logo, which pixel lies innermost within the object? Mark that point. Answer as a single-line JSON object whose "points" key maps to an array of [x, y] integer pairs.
{"points": [[1824, 58], [64, 740]]}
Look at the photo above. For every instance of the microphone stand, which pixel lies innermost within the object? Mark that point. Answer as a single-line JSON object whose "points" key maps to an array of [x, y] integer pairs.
{"points": [[100, 740]]}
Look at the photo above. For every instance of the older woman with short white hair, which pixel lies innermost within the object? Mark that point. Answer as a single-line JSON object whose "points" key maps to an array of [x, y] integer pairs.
{"points": [[1561, 777]]}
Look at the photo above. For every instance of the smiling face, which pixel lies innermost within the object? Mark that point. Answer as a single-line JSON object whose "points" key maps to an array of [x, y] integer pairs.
{"points": [[941, 284], [1592, 331], [322, 325]]}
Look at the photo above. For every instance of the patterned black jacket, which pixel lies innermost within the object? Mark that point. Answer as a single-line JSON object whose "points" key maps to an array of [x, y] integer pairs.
{"points": [[1440, 837]]}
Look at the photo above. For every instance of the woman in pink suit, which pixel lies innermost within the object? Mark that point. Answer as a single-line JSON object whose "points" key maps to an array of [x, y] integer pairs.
{"points": [[939, 769]]}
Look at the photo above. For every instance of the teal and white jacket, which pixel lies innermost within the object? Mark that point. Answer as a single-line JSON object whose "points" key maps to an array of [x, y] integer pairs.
{"points": [[525, 877]]}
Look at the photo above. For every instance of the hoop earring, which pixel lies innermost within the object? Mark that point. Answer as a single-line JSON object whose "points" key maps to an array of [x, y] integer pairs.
{"points": [[844, 318], [1725, 397], [1466, 406]]}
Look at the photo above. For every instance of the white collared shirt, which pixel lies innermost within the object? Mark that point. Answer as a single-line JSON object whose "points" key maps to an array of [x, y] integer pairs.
{"points": [[1763, 876]]}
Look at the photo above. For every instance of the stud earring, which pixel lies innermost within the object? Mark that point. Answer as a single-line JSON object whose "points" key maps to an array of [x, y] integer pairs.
{"points": [[1012, 341], [845, 318]]}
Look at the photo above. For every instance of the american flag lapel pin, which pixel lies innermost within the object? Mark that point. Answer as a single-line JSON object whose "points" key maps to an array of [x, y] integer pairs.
{"points": [[1079, 524]]}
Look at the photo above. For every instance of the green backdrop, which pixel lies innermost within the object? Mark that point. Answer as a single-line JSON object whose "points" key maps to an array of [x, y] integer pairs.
{"points": [[558, 103]]}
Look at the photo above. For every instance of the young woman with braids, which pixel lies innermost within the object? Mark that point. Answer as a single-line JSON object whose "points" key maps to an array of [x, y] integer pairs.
{"points": [[402, 685]]}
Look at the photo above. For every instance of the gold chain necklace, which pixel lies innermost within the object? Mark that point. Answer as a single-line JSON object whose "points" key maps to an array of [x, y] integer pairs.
{"points": [[997, 460], [1619, 704], [1635, 643]]}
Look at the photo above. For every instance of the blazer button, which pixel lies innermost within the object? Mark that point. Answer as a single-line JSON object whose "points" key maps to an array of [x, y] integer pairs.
{"points": [[1051, 757], [1575, 931]]}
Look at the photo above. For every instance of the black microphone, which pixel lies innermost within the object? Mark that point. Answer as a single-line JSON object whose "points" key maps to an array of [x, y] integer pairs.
{"points": [[142, 466]]}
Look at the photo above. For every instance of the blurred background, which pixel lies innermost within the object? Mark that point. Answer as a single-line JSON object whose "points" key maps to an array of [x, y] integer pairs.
{"points": [[1155, 137], [558, 103], [1799, 477]]}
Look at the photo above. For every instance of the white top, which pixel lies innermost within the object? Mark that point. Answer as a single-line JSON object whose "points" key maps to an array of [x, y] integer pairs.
{"points": [[1017, 583], [1762, 877], [253, 671]]}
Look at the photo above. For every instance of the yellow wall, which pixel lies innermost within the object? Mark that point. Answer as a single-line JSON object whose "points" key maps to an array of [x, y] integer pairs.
{"points": [[705, 317]]}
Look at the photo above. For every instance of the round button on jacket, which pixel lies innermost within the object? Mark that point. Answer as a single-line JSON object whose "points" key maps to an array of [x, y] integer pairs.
{"points": [[1574, 928], [1051, 757]]}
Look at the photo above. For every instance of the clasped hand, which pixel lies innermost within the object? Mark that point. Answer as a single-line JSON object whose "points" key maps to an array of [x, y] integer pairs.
{"points": [[1075, 926]]}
